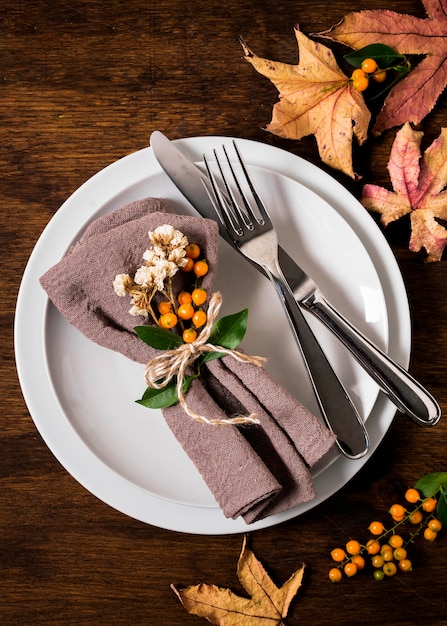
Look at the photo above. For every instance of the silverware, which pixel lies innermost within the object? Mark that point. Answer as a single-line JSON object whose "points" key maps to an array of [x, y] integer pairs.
{"points": [[256, 239], [403, 390]]}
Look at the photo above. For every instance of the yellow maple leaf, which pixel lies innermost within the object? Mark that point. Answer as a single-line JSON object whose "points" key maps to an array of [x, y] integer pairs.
{"points": [[267, 606], [316, 98]]}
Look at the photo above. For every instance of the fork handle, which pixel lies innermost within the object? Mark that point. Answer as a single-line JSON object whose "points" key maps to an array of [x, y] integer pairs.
{"points": [[336, 407], [408, 394]]}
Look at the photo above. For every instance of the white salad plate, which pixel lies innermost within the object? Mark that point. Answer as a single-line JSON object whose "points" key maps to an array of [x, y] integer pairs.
{"points": [[82, 396]]}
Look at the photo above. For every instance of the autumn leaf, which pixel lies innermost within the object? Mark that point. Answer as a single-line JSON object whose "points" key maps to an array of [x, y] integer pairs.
{"points": [[418, 188], [411, 99], [267, 606], [316, 98]]}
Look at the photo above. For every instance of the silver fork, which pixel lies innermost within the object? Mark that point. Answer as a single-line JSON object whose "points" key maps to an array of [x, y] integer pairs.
{"points": [[256, 238]]}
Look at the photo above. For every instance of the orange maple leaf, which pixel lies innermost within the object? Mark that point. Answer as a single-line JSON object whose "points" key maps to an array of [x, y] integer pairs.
{"points": [[411, 99], [316, 98], [267, 606], [418, 189]]}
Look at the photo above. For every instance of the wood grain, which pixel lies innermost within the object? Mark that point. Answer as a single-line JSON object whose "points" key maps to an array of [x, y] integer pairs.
{"points": [[84, 82]]}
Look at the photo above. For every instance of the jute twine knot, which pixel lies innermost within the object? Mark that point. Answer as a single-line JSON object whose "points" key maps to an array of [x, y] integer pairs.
{"points": [[161, 369]]}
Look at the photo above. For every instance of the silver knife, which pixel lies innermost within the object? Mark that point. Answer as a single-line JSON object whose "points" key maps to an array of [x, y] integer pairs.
{"points": [[403, 390]]}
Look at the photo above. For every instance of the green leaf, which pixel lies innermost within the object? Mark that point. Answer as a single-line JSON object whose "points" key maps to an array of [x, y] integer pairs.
{"points": [[167, 396], [157, 337], [430, 484], [227, 332], [383, 55]]}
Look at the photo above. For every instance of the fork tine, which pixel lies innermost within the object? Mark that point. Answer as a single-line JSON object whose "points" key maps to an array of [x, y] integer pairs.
{"points": [[248, 217], [262, 210], [221, 204]]}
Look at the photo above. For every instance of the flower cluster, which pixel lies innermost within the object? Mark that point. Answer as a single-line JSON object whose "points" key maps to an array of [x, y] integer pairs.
{"points": [[161, 262]]}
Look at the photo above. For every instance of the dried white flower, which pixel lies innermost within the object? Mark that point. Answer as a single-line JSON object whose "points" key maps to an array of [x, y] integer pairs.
{"points": [[166, 238], [135, 310], [162, 262], [150, 256], [162, 270], [121, 284], [145, 276], [178, 256]]}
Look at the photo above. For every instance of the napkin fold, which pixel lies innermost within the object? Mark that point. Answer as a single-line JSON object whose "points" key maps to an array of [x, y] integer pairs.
{"points": [[253, 471]]}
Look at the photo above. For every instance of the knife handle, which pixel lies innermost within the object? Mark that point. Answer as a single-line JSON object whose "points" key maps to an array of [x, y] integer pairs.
{"points": [[335, 404], [408, 394]]}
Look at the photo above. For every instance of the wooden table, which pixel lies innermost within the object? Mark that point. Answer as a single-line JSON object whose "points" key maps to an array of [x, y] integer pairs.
{"points": [[85, 82]]}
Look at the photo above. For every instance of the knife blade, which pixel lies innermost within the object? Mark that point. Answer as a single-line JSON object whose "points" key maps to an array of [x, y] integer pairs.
{"points": [[408, 395]]}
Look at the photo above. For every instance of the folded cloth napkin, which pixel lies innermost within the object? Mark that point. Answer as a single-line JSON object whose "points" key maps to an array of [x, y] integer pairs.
{"points": [[253, 471]]}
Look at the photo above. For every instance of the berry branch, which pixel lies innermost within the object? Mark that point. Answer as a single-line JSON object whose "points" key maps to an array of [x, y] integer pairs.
{"points": [[387, 548]]}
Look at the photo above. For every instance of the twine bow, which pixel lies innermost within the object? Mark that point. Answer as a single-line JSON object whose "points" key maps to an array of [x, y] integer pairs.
{"points": [[160, 370]]}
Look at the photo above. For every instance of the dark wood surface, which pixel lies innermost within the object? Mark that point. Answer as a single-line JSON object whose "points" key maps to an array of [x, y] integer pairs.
{"points": [[83, 83]]}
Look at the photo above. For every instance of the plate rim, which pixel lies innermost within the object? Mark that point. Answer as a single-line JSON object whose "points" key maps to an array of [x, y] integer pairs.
{"points": [[376, 242]]}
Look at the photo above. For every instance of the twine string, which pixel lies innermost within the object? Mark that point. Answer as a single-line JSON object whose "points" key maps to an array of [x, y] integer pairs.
{"points": [[160, 370]]}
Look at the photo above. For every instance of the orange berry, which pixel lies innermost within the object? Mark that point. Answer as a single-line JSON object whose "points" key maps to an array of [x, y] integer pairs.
{"points": [[168, 320], [335, 575], [405, 565], [397, 512], [164, 307], [377, 561], [358, 73], [412, 495], [192, 251], [350, 569], [429, 505], [189, 265], [201, 268], [379, 77], [185, 311], [429, 534], [386, 552], [184, 297], [338, 555], [396, 541], [189, 335], [416, 517], [361, 83], [369, 66], [199, 318], [389, 569], [435, 524], [199, 296], [376, 528], [359, 561], [373, 546], [353, 547], [400, 554]]}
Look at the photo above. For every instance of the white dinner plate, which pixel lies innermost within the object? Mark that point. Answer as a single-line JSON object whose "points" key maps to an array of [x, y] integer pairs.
{"points": [[81, 396]]}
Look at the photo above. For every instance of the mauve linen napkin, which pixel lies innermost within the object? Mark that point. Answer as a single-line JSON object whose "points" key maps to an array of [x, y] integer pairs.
{"points": [[253, 471]]}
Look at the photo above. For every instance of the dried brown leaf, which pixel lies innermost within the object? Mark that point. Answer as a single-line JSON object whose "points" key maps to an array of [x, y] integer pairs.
{"points": [[316, 98], [268, 604]]}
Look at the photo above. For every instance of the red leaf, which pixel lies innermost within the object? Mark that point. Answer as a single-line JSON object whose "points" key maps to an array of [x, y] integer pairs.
{"points": [[418, 186], [411, 99]]}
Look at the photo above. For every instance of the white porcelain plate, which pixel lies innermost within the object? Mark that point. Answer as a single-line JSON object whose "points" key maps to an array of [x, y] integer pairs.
{"points": [[81, 396]]}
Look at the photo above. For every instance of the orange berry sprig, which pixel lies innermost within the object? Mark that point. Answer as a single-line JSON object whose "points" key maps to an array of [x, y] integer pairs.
{"points": [[376, 62], [387, 549], [187, 308]]}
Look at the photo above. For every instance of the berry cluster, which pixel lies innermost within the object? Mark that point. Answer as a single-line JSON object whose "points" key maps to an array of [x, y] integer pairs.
{"points": [[186, 308], [369, 69], [387, 549]]}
